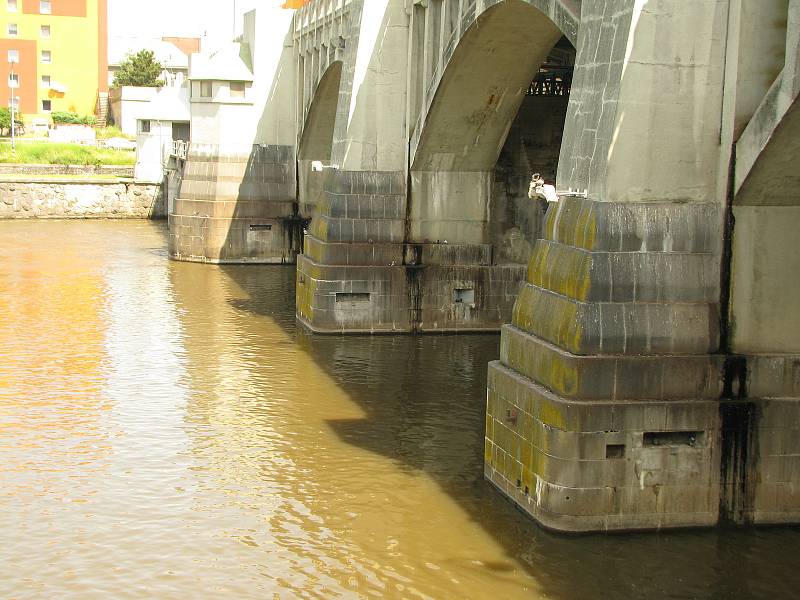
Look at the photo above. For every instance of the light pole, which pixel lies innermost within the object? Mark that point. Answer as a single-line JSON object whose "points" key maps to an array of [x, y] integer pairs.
{"points": [[11, 85]]}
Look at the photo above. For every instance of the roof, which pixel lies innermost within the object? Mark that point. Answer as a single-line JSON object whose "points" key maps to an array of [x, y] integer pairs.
{"points": [[232, 62], [169, 104]]}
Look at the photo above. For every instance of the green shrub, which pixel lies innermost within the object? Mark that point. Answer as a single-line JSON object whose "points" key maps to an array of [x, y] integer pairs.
{"points": [[70, 118], [5, 119]]}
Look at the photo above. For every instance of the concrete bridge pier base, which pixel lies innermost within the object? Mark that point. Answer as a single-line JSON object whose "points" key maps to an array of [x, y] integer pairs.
{"points": [[236, 206], [359, 274], [603, 412], [350, 277]]}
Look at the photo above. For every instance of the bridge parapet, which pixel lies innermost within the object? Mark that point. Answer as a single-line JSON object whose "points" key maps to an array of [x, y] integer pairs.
{"points": [[318, 12]]}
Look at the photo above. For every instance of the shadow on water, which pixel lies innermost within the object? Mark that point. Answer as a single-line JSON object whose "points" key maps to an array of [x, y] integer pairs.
{"points": [[423, 397]]}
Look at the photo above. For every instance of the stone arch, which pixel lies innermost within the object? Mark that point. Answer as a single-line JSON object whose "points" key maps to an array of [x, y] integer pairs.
{"points": [[460, 136], [316, 137], [484, 78]]}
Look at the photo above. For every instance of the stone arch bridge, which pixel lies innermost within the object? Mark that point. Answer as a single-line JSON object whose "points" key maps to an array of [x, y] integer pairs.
{"points": [[650, 358]]}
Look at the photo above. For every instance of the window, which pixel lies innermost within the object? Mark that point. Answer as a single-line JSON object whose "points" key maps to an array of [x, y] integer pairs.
{"points": [[46, 80], [44, 7], [13, 80], [46, 56], [205, 89], [237, 89], [352, 297], [12, 29], [12, 5], [47, 105], [13, 56], [145, 127], [464, 296], [45, 31]]}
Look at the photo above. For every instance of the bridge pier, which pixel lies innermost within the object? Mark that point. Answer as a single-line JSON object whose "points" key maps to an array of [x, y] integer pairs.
{"points": [[628, 395], [236, 206], [603, 410], [644, 381], [238, 197]]}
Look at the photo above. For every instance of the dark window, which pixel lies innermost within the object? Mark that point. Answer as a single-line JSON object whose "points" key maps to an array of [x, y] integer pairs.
{"points": [[352, 297], [237, 89], [672, 438]]}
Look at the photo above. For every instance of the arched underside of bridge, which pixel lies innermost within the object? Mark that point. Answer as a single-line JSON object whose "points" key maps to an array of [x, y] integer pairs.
{"points": [[497, 117], [765, 312], [447, 249], [316, 139]]}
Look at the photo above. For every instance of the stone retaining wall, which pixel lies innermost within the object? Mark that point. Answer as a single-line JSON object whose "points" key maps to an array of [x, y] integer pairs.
{"points": [[26, 170], [78, 199]]}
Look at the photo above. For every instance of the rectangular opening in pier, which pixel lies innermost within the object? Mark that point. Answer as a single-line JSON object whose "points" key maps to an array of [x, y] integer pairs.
{"points": [[673, 438], [615, 451], [352, 297], [261, 227], [463, 296]]}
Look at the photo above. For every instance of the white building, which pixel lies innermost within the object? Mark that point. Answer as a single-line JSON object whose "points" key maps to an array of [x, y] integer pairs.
{"points": [[162, 122]]}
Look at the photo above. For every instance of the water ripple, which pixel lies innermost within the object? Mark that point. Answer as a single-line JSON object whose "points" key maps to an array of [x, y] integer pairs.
{"points": [[166, 431]]}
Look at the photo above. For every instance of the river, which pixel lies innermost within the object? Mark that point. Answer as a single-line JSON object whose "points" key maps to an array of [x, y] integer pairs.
{"points": [[168, 431]]}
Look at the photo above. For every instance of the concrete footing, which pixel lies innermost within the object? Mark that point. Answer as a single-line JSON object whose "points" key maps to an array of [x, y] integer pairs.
{"points": [[405, 298], [604, 466]]}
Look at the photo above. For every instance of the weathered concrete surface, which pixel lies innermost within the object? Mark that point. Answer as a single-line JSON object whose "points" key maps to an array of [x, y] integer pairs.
{"points": [[613, 405], [78, 199], [237, 198], [767, 157], [641, 383], [766, 288], [236, 207], [429, 261]]}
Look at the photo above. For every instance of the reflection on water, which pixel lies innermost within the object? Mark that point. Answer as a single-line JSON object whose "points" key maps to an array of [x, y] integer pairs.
{"points": [[166, 431]]}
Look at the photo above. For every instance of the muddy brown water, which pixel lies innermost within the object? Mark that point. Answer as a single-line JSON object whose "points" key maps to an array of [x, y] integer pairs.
{"points": [[168, 431]]}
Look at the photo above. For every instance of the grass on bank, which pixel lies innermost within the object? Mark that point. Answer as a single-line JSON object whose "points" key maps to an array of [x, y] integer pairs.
{"points": [[111, 131], [46, 153], [55, 177]]}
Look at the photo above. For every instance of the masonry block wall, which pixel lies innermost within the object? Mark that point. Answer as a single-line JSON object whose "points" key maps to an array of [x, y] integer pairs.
{"points": [[236, 207]]}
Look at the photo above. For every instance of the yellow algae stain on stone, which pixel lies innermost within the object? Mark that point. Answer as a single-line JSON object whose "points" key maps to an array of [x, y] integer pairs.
{"points": [[551, 415]]}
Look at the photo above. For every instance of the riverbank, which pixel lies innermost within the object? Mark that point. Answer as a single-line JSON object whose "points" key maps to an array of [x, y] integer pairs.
{"points": [[42, 191]]}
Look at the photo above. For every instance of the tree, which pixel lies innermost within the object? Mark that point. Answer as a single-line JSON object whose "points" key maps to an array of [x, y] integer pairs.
{"points": [[5, 120], [140, 69]]}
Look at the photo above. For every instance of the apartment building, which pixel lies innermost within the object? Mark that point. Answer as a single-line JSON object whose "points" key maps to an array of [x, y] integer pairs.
{"points": [[53, 56]]}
